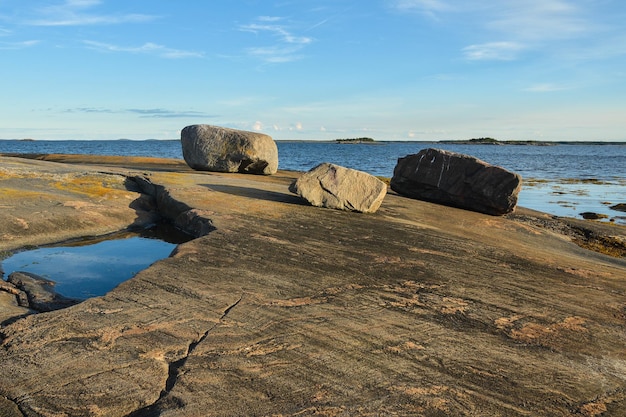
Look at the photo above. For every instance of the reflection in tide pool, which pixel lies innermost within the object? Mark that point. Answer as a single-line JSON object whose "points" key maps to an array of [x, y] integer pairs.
{"points": [[90, 270]]}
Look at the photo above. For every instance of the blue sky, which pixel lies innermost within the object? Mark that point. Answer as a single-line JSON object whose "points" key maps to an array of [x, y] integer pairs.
{"points": [[314, 69]]}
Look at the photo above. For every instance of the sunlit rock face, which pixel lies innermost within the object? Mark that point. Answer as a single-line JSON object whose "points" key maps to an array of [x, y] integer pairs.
{"points": [[214, 148], [333, 186], [457, 180]]}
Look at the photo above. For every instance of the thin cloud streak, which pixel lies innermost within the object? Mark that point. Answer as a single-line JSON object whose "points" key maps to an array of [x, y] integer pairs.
{"points": [[18, 45], [147, 48], [72, 13], [143, 113], [498, 51]]}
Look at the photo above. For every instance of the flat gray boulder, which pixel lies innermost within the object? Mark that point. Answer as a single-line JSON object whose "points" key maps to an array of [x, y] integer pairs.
{"points": [[214, 148], [456, 180], [341, 188]]}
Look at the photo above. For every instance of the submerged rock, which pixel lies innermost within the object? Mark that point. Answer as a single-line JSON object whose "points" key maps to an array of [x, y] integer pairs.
{"points": [[457, 180], [341, 188], [40, 293], [589, 215], [214, 148], [619, 207]]}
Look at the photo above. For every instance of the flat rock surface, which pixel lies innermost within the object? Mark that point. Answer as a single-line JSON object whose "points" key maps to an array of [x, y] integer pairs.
{"points": [[292, 310]]}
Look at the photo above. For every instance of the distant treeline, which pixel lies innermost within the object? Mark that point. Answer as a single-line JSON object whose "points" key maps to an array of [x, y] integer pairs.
{"points": [[492, 141], [354, 140]]}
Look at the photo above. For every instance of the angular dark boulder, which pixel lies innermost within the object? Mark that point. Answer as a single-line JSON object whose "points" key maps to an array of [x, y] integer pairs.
{"points": [[457, 180], [333, 186], [214, 148]]}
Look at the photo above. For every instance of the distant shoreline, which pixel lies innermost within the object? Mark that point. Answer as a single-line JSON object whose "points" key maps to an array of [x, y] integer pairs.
{"points": [[377, 142], [463, 142]]}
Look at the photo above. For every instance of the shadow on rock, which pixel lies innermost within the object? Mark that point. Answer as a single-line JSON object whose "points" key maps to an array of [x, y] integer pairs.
{"points": [[258, 194]]}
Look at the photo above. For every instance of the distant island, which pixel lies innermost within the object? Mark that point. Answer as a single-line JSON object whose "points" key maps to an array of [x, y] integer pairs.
{"points": [[355, 140], [492, 141]]}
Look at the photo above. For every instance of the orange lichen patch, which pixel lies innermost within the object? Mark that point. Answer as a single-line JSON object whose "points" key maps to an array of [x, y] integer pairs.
{"points": [[92, 185], [423, 391], [172, 178], [551, 335], [432, 396], [451, 305], [531, 332], [593, 409], [504, 323], [22, 194], [405, 347]]}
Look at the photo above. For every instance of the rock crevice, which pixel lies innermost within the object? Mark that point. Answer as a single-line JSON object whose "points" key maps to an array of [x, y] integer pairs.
{"points": [[190, 220], [174, 368]]}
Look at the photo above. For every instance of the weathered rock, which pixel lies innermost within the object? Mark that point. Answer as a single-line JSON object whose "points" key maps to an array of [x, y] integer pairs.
{"points": [[590, 215], [619, 207], [40, 292], [341, 188], [214, 148], [456, 180], [10, 309]]}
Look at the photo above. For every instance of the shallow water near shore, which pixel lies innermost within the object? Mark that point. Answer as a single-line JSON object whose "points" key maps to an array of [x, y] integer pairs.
{"points": [[92, 267]]}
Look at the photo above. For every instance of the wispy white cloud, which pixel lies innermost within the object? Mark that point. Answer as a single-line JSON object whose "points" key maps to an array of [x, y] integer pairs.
{"points": [[78, 13], [512, 25], [147, 48], [499, 51], [285, 44], [151, 113], [18, 45], [540, 20]]}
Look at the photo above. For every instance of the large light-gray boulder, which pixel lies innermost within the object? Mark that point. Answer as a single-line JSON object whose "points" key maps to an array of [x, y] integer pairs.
{"points": [[458, 180], [214, 148], [341, 188]]}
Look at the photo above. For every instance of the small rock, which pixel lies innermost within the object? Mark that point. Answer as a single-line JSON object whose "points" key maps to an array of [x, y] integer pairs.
{"points": [[588, 215], [40, 292], [457, 180], [619, 207], [214, 148], [341, 188]]}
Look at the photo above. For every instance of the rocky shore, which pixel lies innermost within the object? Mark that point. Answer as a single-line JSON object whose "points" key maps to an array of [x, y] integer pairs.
{"points": [[281, 308]]}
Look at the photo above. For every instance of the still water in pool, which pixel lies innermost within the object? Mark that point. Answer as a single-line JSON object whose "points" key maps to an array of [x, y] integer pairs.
{"points": [[89, 269]]}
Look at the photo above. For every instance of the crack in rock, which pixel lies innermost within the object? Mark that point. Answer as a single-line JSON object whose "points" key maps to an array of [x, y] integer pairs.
{"points": [[174, 369]]}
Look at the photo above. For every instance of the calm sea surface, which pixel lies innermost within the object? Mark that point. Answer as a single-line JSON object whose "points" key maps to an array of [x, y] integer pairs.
{"points": [[564, 180]]}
